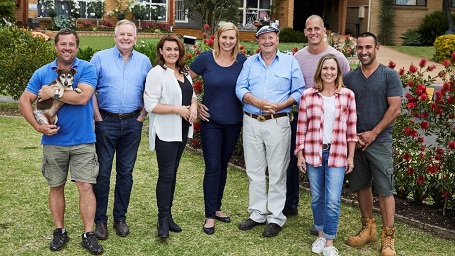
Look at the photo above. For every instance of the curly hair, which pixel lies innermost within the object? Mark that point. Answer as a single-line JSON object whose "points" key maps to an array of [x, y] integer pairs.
{"points": [[180, 64]]}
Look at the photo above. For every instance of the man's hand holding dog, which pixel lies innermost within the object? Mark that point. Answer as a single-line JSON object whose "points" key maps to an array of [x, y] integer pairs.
{"points": [[46, 92], [48, 129]]}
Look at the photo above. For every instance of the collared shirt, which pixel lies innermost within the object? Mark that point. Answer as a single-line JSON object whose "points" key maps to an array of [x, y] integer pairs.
{"points": [[120, 85], [274, 83], [311, 125], [75, 121]]}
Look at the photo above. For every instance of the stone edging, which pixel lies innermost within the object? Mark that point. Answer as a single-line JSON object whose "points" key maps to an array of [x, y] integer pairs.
{"points": [[439, 231]]}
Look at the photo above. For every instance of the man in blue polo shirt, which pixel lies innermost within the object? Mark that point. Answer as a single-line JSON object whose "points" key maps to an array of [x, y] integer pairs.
{"points": [[69, 145], [119, 114], [269, 84]]}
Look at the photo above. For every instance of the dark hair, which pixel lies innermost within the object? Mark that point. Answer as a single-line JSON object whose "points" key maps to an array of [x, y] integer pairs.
{"points": [[66, 31], [368, 34], [180, 64], [318, 82]]}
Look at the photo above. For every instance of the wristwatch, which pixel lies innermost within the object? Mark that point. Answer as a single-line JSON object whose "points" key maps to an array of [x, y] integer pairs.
{"points": [[57, 95]]}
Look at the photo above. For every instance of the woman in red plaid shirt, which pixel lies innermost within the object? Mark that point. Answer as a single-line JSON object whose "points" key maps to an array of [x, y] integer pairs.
{"points": [[325, 144]]}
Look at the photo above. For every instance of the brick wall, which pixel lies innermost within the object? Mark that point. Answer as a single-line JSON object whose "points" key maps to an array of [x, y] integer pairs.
{"points": [[243, 35]]}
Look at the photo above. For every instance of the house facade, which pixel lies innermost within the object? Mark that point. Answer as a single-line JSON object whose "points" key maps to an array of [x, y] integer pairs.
{"points": [[340, 16]]}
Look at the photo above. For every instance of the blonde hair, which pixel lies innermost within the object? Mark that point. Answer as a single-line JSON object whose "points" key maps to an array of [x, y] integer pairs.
{"points": [[216, 46], [318, 83]]}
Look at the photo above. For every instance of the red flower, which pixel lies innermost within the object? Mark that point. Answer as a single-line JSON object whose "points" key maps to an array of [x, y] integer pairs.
{"points": [[197, 87], [189, 56], [423, 197], [440, 151], [451, 144], [423, 63], [198, 51], [412, 68], [401, 72], [421, 89], [420, 180], [445, 194], [431, 67], [258, 50], [197, 126], [206, 27], [446, 62], [204, 35], [212, 37], [411, 83], [423, 97], [295, 50], [422, 148], [241, 47], [432, 168], [196, 143], [425, 115], [438, 157], [421, 139], [407, 130], [410, 171], [411, 105], [450, 99], [424, 125], [392, 64], [453, 56], [406, 157], [210, 42]]}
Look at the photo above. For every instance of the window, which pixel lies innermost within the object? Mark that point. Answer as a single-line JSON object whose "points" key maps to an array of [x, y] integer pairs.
{"points": [[180, 15], [411, 2], [252, 10], [88, 9], [157, 9]]}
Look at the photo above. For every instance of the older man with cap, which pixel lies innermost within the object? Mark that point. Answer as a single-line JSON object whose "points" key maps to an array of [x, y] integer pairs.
{"points": [[269, 84]]}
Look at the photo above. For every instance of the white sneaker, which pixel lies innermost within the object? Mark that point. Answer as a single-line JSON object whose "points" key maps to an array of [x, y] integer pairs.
{"points": [[330, 251], [318, 245]]}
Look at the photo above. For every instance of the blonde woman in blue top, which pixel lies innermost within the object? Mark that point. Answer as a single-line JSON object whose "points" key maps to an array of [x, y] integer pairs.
{"points": [[172, 104], [221, 115]]}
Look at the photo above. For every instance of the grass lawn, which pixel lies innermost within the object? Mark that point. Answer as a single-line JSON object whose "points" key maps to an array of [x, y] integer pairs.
{"points": [[426, 52], [26, 224]]}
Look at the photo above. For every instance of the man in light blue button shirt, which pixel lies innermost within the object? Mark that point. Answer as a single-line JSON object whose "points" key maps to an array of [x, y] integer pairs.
{"points": [[119, 114], [269, 84]]}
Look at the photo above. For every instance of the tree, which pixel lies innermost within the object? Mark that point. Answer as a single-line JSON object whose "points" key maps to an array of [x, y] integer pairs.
{"points": [[446, 8], [211, 12], [7, 11]]}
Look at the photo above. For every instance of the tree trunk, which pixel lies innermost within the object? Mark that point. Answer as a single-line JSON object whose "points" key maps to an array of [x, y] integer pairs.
{"points": [[446, 8]]}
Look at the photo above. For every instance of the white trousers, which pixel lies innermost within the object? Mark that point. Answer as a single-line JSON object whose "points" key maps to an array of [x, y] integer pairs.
{"points": [[266, 146]]}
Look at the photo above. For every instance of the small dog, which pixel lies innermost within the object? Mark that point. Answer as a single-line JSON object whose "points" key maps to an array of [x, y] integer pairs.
{"points": [[46, 110]]}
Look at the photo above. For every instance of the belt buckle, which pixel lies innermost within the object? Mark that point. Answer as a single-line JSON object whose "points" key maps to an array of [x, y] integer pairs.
{"points": [[122, 116], [261, 118]]}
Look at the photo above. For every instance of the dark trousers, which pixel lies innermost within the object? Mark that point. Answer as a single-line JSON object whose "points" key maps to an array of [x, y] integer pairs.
{"points": [[218, 143], [168, 155], [293, 176], [120, 137]]}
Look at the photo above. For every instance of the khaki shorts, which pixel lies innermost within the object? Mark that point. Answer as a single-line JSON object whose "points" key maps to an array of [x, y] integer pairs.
{"points": [[375, 163], [81, 160]]}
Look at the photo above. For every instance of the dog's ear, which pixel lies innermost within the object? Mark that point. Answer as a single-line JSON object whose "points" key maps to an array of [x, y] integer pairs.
{"points": [[58, 71], [74, 71]]}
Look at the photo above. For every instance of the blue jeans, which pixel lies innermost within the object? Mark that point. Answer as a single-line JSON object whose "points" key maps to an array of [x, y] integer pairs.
{"points": [[168, 155], [293, 173], [122, 138], [325, 185], [218, 143]]}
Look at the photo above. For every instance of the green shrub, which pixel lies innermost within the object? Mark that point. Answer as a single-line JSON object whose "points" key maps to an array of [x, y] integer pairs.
{"points": [[148, 49], [20, 55], [7, 11], [289, 35], [433, 25], [444, 47], [86, 53], [411, 37]]}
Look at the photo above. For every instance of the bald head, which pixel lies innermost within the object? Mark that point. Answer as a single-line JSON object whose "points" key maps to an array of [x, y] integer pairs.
{"points": [[315, 18]]}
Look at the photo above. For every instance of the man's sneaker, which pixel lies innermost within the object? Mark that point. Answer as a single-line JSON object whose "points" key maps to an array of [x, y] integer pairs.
{"points": [[91, 244], [318, 245], [330, 251], [59, 240]]}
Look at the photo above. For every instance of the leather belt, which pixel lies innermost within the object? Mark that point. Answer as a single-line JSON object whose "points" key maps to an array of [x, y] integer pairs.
{"points": [[120, 116], [326, 146], [262, 118]]}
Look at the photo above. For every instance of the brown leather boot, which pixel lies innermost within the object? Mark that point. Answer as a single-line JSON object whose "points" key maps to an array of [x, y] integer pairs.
{"points": [[367, 233], [388, 241]]}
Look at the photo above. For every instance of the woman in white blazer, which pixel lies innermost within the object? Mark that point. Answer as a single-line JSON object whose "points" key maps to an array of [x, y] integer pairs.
{"points": [[170, 100]]}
